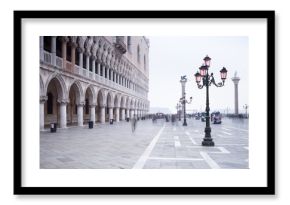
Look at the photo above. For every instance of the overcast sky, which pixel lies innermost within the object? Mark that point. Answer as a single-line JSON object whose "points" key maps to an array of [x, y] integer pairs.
{"points": [[172, 57]]}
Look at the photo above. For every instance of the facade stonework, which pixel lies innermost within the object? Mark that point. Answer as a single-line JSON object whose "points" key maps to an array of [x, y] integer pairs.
{"points": [[93, 78]]}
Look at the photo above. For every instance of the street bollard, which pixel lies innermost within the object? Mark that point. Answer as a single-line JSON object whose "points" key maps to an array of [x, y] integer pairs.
{"points": [[53, 127], [91, 124]]}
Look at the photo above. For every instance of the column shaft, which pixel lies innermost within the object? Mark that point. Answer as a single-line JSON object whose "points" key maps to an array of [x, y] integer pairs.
{"points": [[81, 59], [99, 69], [53, 50], [41, 43], [41, 116], [123, 114], [236, 99], [62, 108], [80, 115], [63, 53], [127, 113], [111, 113], [102, 114], [117, 114], [73, 56], [87, 62], [93, 114]]}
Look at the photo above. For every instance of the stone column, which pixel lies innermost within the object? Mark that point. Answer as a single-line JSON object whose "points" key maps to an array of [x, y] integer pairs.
{"points": [[94, 65], [99, 68], [87, 61], [183, 82], [63, 51], [115, 78], [80, 114], [111, 113], [106, 72], [81, 58], [236, 80], [41, 112], [132, 113], [62, 109], [53, 50], [127, 113], [123, 114], [102, 114], [93, 113], [117, 114], [41, 45], [73, 55]]}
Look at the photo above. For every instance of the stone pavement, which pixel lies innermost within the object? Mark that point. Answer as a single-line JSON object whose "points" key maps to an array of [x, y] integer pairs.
{"points": [[158, 145]]}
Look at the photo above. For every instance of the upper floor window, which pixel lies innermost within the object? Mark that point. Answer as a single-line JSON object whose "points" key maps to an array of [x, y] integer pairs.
{"points": [[47, 43]]}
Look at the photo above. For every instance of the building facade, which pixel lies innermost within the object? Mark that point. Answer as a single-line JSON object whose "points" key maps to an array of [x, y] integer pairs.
{"points": [[92, 78]]}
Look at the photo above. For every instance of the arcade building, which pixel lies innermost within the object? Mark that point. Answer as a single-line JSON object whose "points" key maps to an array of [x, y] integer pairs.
{"points": [[92, 78]]}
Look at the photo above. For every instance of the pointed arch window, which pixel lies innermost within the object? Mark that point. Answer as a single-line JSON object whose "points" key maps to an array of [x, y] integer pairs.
{"points": [[47, 43]]}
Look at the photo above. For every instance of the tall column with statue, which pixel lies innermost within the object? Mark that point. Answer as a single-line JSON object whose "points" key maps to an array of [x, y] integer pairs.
{"points": [[236, 80]]}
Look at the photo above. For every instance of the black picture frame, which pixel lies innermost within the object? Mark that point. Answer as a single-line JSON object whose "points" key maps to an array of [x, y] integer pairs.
{"points": [[19, 189]]}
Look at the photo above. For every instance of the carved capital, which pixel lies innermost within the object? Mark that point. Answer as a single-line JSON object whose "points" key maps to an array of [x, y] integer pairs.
{"points": [[80, 50], [93, 105], [102, 105], [43, 99], [93, 57], [63, 101], [64, 39], [81, 104]]}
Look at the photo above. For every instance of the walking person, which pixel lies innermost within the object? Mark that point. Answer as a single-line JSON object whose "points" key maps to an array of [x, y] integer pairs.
{"points": [[133, 123]]}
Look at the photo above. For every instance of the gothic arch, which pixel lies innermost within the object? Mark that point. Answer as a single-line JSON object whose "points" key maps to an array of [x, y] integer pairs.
{"points": [[92, 94], [101, 97], [60, 86], [123, 102], [76, 87], [117, 100], [110, 99]]}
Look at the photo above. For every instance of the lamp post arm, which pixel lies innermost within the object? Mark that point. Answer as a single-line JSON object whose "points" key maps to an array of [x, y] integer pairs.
{"points": [[200, 86], [212, 80]]}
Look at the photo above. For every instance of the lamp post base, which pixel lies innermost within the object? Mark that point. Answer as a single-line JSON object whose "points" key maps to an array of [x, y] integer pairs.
{"points": [[184, 123], [207, 142]]}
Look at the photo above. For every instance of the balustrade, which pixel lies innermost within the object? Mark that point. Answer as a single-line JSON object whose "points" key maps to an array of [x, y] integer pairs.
{"points": [[47, 57], [59, 62], [88, 74]]}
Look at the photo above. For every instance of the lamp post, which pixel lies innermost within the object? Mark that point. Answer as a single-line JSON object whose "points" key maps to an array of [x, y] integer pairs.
{"points": [[178, 107], [207, 80], [183, 100]]}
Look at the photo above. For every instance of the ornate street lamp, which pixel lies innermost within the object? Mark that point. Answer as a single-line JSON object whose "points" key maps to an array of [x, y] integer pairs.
{"points": [[246, 108], [207, 80], [183, 101]]}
